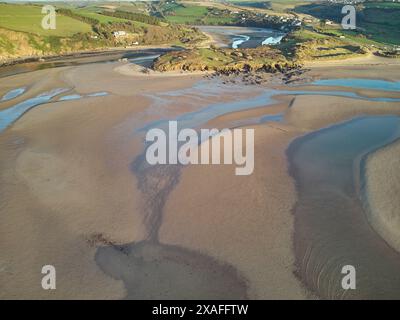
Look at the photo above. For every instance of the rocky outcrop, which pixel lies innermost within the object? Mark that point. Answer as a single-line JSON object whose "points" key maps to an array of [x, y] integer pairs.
{"points": [[226, 61]]}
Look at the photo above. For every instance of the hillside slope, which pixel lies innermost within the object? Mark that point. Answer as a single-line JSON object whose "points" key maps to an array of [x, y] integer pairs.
{"points": [[21, 34]]}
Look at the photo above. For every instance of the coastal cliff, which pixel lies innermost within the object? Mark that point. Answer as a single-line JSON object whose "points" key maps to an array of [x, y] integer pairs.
{"points": [[225, 60]]}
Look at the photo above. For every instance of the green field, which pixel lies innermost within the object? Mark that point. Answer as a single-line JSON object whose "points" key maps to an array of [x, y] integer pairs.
{"points": [[28, 18], [382, 5], [276, 5], [306, 44], [376, 21], [187, 14], [82, 28], [103, 18], [99, 17]]}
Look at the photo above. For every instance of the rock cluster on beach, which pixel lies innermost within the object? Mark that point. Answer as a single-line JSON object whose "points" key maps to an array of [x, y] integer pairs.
{"points": [[294, 75], [226, 61]]}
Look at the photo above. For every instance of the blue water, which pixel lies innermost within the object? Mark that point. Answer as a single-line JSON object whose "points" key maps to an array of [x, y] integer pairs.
{"points": [[360, 83], [341, 94], [98, 94], [214, 110], [198, 117], [145, 59], [70, 97], [272, 117], [272, 40], [238, 40], [78, 96], [10, 115], [246, 37], [13, 94], [203, 88], [331, 227]]}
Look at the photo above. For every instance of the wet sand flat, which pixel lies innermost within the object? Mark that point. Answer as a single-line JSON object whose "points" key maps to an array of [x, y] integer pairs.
{"points": [[66, 187], [368, 67], [78, 194], [251, 231], [331, 227], [61, 194], [381, 192]]}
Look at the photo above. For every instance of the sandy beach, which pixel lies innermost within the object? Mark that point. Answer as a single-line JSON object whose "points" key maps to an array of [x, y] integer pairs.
{"points": [[382, 183], [251, 232], [368, 66], [66, 185], [76, 194]]}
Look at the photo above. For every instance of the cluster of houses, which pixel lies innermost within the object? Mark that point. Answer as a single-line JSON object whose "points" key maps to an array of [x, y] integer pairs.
{"points": [[283, 21], [251, 16]]}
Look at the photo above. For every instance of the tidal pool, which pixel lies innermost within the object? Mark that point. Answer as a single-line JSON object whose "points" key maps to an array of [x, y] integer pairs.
{"points": [[98, 94], [10, 115], [211, 111], [373, 84], [70, 97], [12, 94], [244, 37], [331, 227]]}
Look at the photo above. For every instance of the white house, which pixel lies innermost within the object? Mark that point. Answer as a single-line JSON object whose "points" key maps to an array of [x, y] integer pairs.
{"points": [[117, 34]]}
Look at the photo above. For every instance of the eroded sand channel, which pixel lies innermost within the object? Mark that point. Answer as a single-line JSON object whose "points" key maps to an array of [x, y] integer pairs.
{"points": [[331, 228], [71, 198]]}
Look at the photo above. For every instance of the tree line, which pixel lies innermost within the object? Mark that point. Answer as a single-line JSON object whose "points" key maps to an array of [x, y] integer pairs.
{"points": [[140, 17]]}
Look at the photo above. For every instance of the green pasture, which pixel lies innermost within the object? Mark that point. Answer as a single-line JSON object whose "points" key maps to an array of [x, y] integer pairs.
{"points": [[28, 18]]}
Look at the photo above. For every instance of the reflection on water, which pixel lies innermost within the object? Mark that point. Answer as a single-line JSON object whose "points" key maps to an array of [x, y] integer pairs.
{"points": [[9, 115], [243, 37], [70, 97], [98, 94], [238, 40], [343, 94], [361, 83], [78, 96], [211, 111], [13, 94], [272, 117], [81, 59], [145, 61], [272, 40], [198, 91], [331, 228]]}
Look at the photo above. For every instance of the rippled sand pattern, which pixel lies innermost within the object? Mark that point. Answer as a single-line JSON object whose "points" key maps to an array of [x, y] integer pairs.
{"points": [[331, 228]]}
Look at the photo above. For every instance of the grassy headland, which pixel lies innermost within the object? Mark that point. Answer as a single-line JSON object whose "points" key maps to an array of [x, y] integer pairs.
{"points": [[224, 60], [376, 21], [313, 29], [82, 29], [298, 47], [313, 33], [307, 44]]}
